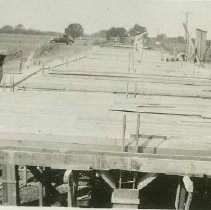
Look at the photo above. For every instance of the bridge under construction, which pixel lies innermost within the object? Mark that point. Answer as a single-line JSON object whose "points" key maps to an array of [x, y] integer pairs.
{"points": [[103, 124]]}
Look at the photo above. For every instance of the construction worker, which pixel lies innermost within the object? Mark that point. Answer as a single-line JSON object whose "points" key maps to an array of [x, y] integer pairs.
{"points": [[139, 44], [2, 57]]}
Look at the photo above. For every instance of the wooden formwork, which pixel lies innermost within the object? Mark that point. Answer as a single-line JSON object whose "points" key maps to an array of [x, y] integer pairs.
{"points": [[106, 113]]}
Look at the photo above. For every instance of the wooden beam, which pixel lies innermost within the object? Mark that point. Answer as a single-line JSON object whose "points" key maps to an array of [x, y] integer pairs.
{"points": [[6, 158], [58, 147], [188, 201], [177, 198], [123, 133], [53, 147], [145, 180], [66, 142], [149, 163], [137, 131], [181, 193], [36, 70], [108, 178], [71, 178], [73, 184], [44, 181], [40, 193], [67, 178], [10, 185]]}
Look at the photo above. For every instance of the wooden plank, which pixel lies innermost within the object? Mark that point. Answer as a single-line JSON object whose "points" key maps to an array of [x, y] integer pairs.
{"points": [[35, 139], [175, 165], [5, 154], [51, 148], [118, 87], [181, 121], [46, 146], [150, 74]]}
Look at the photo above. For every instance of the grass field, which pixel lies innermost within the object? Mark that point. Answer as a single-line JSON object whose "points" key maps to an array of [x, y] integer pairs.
{"points": [[19, 46], [14, 42]]}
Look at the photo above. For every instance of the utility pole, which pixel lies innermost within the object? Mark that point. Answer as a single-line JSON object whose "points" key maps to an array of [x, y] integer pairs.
{"points": [[186, 33]]}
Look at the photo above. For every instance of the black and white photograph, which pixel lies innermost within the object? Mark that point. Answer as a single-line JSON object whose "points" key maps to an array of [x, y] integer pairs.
{"points": [[105, 104]]}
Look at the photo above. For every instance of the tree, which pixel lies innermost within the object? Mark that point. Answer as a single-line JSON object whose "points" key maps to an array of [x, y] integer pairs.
{"points": [[181, 39], [19, 27], [116, 32], [101, 33], [161, 37], [136, 28], [74, 30], [6, 29]]}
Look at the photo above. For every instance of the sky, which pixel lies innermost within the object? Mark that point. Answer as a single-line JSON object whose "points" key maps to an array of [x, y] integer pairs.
{"points": [[158, 16]]}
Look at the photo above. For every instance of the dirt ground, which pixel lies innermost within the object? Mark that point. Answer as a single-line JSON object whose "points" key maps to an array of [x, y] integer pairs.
{"points": [[26, 43]]}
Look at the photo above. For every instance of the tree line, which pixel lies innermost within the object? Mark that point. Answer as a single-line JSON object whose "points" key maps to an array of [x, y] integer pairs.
{"points": [[120, 32], [76, 30], [20, 29]]}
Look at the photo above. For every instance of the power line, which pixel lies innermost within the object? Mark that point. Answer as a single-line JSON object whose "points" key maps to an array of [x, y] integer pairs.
{"points": [[187, 18]]}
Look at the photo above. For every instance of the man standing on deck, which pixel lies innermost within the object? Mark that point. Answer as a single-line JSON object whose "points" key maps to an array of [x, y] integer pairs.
{"points": [[2, 57], [139, 44]]}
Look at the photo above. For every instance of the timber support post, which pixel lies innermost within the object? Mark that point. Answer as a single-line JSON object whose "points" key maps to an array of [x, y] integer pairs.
{"points": [[129, 70], [24, 175], [123, 133], [184, 189], [4, 83], [12, 82], [40, 194], [180, 196], [10, 180], [73, 182], [137, 132], [71, 178]]}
